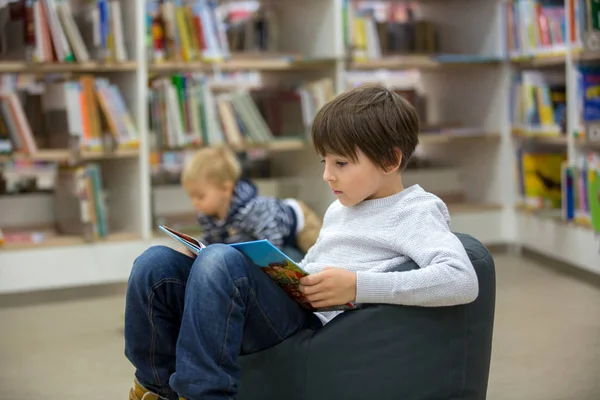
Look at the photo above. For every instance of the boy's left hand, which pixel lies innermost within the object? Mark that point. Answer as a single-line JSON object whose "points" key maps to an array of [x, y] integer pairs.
{"points": [[330, 287]]}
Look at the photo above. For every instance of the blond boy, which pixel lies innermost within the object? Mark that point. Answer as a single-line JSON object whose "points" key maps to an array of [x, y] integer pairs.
{"points": [[231, 211]]}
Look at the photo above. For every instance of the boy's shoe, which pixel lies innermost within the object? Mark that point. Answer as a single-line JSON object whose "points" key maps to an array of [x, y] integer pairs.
{"points": [[138, 392]]}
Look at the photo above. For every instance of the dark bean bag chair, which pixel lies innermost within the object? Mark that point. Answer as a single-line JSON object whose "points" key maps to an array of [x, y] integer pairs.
{"points": [[385, 352]]}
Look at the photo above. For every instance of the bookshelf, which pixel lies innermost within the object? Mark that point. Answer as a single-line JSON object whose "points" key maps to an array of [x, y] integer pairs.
{"points": [[468, 142]]}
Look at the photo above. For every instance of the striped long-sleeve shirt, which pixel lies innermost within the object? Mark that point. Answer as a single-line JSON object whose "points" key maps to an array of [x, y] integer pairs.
{"points": [[251, 217]]}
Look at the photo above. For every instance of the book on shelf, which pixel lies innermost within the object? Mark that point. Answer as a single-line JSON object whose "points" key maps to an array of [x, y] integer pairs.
{"points": [[539, 177], [581, 190], [585, 18], [78, 114], [54, 31], [279, 267], [373, 30], [191, 30], [186, 112], [535, 27], [79, 202], [251, 27], [538, 103], [587, 95]]}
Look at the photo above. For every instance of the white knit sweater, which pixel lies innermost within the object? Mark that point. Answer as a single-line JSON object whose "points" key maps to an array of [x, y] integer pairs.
{"points": [[375, 236]]}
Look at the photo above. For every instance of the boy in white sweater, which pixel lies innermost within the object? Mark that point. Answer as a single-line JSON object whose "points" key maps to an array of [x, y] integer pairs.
{"points": [[188, 320]]}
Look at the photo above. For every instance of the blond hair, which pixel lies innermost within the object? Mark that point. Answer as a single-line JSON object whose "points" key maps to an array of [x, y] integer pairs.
{"points": [[215, 164]]}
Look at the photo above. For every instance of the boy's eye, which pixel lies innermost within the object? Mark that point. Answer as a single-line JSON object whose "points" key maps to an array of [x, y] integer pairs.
{"points": [[341, 163]]}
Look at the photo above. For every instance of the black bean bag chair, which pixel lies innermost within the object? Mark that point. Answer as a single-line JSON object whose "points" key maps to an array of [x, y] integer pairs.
{"points": [[385, 352]]}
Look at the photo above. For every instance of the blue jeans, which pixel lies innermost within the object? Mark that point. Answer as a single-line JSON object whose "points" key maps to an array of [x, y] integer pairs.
{"points": [[187, 320]]}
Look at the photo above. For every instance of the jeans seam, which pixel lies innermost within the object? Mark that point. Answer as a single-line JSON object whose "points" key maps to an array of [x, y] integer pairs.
{"points": [[264, 314], [223, 349], [151, 318]]}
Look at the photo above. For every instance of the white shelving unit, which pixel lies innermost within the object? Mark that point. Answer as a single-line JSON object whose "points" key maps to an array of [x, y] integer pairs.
{"points": [[474, 94]]}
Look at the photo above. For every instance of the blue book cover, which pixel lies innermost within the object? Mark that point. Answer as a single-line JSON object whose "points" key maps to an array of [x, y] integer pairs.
{"points": [[279, 267]]}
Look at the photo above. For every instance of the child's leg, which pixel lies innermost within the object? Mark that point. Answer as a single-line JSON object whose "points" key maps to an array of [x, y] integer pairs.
{"points": [[307, 237], [231, 307], [154, 306]]}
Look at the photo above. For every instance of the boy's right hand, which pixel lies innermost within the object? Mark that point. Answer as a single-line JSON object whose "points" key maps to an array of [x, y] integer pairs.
{"points": [[186, 251]]}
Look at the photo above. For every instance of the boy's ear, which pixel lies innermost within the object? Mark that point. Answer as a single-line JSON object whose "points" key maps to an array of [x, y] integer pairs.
{"points": [[396, 166], [228, 186]]}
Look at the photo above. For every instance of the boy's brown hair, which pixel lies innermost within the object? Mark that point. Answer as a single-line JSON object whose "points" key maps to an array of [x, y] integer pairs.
{"points": [[216, 165], [371, 118]]}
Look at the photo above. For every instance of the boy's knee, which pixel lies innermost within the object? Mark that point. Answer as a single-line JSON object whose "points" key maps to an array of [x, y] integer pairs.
{"points": [[154, 262], [220, 258]]}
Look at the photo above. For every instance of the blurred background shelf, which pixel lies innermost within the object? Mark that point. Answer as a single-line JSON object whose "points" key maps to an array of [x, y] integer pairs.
{"points": [[34, 68]]}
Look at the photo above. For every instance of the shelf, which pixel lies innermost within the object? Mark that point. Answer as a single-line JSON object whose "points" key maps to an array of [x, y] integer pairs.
{"points": [[566, 242], [24, 67], [540, 61], [61, 156], [424, 62], [542, 138], [430, 138], [279, 145], [552, 215], [583, 56], [67, 241], [265, 63]]}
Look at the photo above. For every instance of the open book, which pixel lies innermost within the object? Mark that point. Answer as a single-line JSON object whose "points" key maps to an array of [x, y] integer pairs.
{"points": [[279, 267]]}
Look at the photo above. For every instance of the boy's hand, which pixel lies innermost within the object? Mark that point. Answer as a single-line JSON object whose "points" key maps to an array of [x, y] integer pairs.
{"points": [[330, 287]]}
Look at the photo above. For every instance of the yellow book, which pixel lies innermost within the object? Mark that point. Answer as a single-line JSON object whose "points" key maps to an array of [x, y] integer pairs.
{"points": [[545, 111], [186, 46], [542, 176], [193, 35], [360, 39]]}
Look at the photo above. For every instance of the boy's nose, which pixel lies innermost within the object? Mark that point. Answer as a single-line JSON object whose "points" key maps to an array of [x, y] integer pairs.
{"points": [[327, 176]]}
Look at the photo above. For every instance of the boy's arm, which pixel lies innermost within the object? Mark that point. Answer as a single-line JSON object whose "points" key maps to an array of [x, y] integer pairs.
{"points": [[445, 276]]}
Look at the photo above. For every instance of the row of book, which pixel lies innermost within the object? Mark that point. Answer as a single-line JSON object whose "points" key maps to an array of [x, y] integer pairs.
{"points": [[197, 30], [179, 31], [54, 32], [76, 113], [376, 29], [535, 27], [548, 182], [185, 111], [581, 191], [538, 102]]}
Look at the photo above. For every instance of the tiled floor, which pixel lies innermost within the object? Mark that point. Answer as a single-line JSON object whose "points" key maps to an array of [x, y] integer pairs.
{"points": [[546, 345]]}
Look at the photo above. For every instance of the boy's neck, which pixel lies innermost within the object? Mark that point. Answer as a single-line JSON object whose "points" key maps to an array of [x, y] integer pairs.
{"points": [[390, 187]]}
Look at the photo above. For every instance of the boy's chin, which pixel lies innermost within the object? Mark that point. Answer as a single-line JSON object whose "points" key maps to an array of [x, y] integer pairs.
{"points": [[347, 202]]}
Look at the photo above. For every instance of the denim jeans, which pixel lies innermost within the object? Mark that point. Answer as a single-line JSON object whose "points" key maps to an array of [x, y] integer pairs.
{"points": [[187, 320]]}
